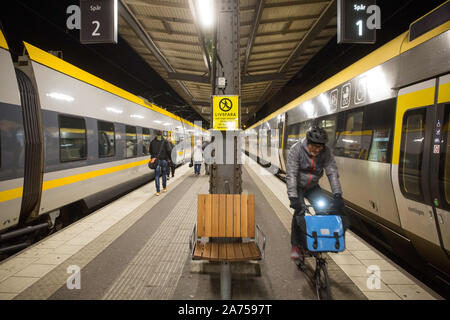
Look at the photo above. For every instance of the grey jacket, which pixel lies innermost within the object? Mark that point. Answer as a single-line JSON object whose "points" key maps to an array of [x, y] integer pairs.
{"points": [[303, 171]]}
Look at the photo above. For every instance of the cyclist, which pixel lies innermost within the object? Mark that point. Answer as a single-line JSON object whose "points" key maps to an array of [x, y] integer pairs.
{"points": [[306, 162]]}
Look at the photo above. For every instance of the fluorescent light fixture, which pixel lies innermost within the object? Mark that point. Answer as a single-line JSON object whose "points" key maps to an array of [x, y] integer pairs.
{"points": [[114, 110], [157, 121], [205, 11], [60, 96], [166, 124], [349, 141], [137, 116]]}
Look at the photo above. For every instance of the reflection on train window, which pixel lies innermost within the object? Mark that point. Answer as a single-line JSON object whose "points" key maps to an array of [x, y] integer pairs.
{"points": [[380, 143], [131, 141], [354, 142], [411, 152], [72, 139], [444, 170], [329, 125], [106, 139], [146, 139]]}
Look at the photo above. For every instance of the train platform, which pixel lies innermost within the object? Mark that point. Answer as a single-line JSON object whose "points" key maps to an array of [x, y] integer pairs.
{"points": [[138, 248]]}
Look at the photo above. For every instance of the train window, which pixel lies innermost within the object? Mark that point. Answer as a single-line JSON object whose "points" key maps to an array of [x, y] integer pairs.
{"points": [[411, 151], [329, 125], [106, 139], [353, 142], [379, 119], [72, 139], [146, 139], [444, 167], [131, 141]]}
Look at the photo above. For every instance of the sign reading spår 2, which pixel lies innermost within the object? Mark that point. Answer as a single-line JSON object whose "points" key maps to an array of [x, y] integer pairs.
{"points": [[225, 112], [98, 21]]}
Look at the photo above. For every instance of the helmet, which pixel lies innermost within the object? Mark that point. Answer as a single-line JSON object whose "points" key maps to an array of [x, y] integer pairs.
{"points": [[317, 135]]}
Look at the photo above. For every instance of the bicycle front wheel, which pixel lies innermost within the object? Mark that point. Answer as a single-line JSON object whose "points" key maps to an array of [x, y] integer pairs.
{"points": [[322, 281]]}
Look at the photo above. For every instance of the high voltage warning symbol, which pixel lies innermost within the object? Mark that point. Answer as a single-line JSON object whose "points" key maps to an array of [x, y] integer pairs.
{"points": [[225, 104], [226, 112]]}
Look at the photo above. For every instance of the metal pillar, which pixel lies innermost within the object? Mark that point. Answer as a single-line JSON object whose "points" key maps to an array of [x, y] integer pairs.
{"points": [[225, 281], [226, 178]]}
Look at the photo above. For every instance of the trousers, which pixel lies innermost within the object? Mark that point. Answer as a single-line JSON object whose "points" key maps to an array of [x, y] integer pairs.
{"points": [[161, 171]]}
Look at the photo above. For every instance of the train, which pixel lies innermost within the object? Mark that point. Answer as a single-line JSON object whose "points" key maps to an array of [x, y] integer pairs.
{"points": [[70, 141], [387, 117]]}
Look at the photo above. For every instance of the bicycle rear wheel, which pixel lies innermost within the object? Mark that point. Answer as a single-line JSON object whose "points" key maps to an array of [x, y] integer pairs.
{"points": [[322, 281]]}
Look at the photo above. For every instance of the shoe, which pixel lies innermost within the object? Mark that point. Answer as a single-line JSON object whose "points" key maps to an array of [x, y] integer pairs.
{"points": [[158, 193], [297, 253], [168, 177], [165, 189]]}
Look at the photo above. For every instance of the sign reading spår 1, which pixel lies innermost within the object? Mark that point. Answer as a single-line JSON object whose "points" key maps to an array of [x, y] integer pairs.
{"points": [[98, 21], [357, 21]]}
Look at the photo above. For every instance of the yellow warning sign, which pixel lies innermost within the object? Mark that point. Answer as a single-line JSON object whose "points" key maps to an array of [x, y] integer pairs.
{"points": [[225, 112]]}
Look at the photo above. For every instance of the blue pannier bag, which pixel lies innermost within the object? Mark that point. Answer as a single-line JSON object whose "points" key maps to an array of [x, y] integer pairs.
{"points": [[323, 232]]}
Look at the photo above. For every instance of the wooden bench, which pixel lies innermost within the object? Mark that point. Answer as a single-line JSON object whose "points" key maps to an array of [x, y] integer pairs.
{"points": [[229, 219]]}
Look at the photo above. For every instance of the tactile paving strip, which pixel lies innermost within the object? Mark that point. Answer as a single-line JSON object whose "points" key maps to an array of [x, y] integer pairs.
{"points": [[156, 269]]}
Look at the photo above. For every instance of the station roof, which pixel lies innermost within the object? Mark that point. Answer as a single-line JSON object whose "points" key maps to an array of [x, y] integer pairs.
{"points": [[277, 38]]}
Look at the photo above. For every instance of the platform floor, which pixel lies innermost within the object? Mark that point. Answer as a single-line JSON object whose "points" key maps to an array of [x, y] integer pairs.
{"points": [[138, 248]]}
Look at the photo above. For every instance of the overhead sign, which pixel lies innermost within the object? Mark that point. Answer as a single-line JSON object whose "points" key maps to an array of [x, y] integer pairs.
{"points": [[225, 112], [99, 21], [357, 21]]}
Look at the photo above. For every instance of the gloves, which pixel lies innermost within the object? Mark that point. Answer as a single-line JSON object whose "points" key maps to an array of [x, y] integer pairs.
{"points": [[297, 205], [338, 201]]}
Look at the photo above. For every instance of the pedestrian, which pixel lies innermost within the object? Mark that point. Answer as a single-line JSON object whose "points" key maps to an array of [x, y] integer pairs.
{"points": [[160, 151], [172, 162], [207, 157], [197, 157]]}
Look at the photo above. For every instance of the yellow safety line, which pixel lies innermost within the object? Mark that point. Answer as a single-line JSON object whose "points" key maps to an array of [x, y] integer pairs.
{"points": [[420, 98], [50, 184], [3, 43], [60, 65]]}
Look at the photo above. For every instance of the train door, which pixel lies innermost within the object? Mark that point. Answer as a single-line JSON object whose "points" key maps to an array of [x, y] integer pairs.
{"points": [[412, 160], [440, 179]]}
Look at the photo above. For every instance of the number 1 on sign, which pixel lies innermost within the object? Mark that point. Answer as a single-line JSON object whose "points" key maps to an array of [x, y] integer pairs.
{"points": [[95, 33], [359, 24]]}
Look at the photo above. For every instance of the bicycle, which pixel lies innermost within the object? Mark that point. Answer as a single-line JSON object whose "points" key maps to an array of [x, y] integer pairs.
{"points": [[320, 277]]}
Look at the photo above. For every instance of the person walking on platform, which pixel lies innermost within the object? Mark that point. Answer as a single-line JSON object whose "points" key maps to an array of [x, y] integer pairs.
{"points": [[160, 151], [206, 157], [306, 162], [172, 165], [197, 157]]}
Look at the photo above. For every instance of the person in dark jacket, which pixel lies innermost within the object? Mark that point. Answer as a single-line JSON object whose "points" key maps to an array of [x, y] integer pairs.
{"points": [[160, 151], [306, 163], [172, 165]]}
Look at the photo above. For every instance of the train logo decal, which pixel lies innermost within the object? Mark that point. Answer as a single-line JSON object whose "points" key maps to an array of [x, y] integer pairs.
{"points": [[333, 100], [361, 91], [346, 91]]}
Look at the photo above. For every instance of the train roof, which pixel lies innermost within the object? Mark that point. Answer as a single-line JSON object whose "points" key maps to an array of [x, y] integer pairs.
{"points": [[3, 43], [51, 61], [386, 52]]}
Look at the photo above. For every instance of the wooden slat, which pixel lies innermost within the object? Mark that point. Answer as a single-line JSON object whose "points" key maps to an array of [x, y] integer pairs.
{"points": [[222, 251], [229, 229], [246, 250], [254, 250], [215, 216], [201, 215], [222, 215], [208, 214], [238, 251], [251, 215], [244, 221], [198, 251], [230, 251], [214, 251], [237, 216], [207, 251]]}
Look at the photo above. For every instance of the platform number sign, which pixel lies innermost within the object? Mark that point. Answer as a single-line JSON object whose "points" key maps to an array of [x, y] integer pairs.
{"points": [[357, 21], [98, 21]]}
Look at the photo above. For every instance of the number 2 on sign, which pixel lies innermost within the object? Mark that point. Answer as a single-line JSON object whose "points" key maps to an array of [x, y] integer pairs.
{"points": [[95, 33]]}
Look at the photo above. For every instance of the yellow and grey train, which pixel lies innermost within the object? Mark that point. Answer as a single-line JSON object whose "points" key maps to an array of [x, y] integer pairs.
{"points": [[67, 137], [387, 116]]}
